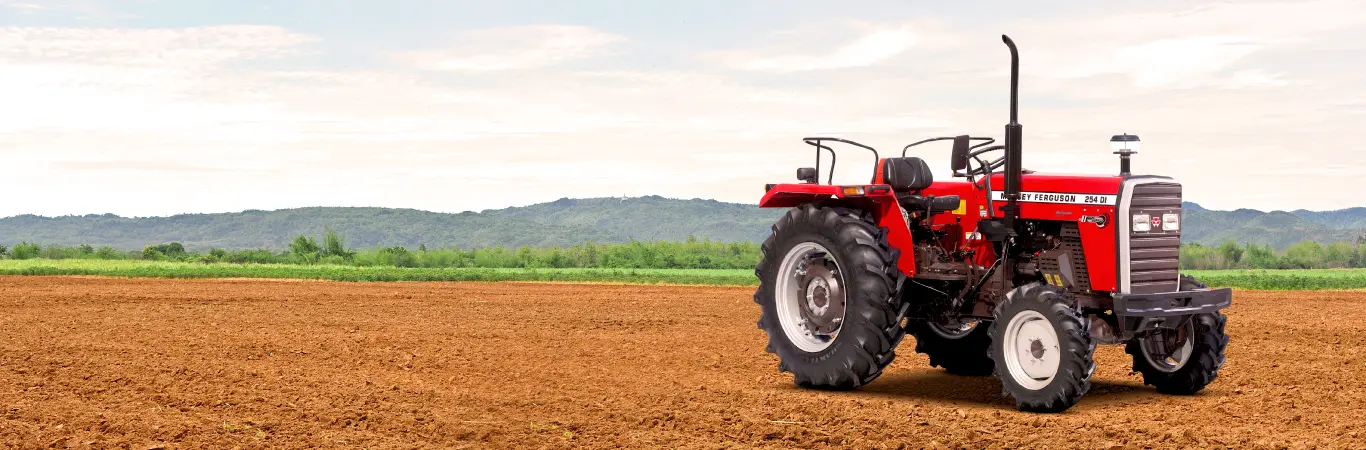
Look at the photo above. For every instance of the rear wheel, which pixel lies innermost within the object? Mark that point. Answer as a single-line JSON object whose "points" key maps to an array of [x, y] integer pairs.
{"points": [[1042, 347], [827, 284], [960, 346], [1185, 359]]}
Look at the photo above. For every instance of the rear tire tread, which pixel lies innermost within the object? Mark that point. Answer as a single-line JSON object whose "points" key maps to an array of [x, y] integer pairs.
{"points": [[872, 318]]}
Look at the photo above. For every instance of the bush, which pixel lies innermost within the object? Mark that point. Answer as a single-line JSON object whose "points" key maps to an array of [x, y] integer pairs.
{"points": [[335, 245], [173, 251], [26, 250], [107, 253], [150, 253]]}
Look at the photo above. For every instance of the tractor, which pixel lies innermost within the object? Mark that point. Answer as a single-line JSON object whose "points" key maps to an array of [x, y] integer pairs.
{"points": [[1002, 272]]}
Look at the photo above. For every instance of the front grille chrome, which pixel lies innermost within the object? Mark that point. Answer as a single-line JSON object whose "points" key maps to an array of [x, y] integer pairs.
{"points": [[1154, 255]]}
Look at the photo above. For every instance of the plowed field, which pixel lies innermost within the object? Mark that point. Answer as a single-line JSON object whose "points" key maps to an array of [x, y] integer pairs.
{"points": [[145, 363]]}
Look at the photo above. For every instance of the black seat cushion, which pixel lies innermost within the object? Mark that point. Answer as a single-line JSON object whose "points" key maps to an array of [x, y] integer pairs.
{"points": [[935, 205], [908, 174]]}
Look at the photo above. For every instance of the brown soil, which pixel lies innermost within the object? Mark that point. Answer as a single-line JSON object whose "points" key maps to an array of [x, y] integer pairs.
{"points": [[249, 363]]}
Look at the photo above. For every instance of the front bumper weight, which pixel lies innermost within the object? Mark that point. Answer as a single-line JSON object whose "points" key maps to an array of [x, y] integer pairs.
{"points": [[1180, 303]]}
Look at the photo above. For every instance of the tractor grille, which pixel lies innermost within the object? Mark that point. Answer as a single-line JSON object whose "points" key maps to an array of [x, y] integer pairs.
{"points": [[1071, 241], [1154, 256]]}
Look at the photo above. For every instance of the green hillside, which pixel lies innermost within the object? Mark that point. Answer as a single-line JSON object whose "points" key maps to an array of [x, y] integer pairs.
{"points": [[1350, 218], [1278, 229], [561, 222], [566, 222]]}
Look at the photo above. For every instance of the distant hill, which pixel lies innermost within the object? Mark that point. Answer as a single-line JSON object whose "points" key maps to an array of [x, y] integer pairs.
{"points": [[567, 222], [1279, 229], [561, 222]]}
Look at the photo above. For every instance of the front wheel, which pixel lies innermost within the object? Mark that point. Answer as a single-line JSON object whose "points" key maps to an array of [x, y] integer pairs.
{"points": [[1042, 347], [1183, 360], [827, 285]]}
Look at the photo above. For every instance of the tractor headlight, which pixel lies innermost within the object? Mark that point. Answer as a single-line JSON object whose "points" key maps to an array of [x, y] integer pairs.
{"points": [[1141, 223], [1171, 222]]}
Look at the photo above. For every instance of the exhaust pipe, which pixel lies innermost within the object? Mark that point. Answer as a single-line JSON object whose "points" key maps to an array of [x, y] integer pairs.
{"points": [[1013, 134]]}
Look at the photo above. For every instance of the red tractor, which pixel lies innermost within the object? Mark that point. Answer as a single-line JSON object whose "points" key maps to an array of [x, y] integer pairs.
{"points": [[1021, 283]]}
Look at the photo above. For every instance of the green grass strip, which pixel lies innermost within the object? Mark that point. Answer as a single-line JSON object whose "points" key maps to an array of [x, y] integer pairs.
{"points": [[152, 269], [1284, 280], [1241, 279]]}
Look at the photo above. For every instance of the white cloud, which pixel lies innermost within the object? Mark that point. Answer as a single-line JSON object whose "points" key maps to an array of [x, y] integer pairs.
{"points": [[1182, 49], [20, 5], [164, 82], [842, 44], [1167, 61], [162, 121], [1255, 78], [512, 48], [869, 49]]}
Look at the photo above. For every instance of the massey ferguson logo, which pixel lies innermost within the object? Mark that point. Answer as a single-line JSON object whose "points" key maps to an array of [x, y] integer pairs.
{"points": [[1157, 221]]}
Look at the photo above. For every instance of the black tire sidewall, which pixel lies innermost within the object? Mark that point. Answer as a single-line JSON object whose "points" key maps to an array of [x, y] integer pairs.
{"points": [[852, 359], [1206, 358], [1202, 366], [783, 345], [1075, 364]]}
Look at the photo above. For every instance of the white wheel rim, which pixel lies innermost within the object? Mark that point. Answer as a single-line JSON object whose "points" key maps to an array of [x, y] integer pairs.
{"points": [[788, 291], [1176, 360], [1031, 350]]}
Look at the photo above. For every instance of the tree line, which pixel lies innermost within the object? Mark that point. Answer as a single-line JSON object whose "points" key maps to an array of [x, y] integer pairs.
{"points": [[691, 253], [1304, 255]]}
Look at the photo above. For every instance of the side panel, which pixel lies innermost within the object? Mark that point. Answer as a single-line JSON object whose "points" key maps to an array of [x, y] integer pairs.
{"points": [[1078, 199], [889, 215], [1099, 246]]}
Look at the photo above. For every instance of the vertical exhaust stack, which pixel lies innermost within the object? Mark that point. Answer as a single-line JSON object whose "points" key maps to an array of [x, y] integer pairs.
{"points": [[1013, 133]]}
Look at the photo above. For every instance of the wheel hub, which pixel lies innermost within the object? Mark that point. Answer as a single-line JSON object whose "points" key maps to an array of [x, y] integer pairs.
{"points": [[810, 297], [1036, 349], [1168, 349], [823, 305]]}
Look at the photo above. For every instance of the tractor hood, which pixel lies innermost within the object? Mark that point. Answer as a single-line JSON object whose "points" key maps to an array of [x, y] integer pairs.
{"points": [[1035, 187], [1049, 187]]}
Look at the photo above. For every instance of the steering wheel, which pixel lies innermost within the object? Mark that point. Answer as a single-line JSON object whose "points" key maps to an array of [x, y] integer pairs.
{"points": [[984, 167]]}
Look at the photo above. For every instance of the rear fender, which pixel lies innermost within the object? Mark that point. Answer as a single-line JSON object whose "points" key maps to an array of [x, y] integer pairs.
{"points": [[878, 200]]}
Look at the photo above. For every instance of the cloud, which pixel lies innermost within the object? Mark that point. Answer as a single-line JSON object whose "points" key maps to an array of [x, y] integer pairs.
{"points": [[179, 48], [151, 81], [866, 50], [20, 5], [1195, 47], [1255, 78], [492, 116], [516, 48], [860, 44]]}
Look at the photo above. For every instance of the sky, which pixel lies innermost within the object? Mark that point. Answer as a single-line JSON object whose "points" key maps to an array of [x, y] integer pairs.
{"points": [[160, 107]]}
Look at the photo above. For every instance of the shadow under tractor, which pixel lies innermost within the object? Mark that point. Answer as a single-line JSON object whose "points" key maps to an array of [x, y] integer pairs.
{"points": [[1020, 283]]}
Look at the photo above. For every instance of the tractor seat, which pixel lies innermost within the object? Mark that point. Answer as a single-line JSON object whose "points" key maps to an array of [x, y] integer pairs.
{"points": [[933, 204], [908, 176]]}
